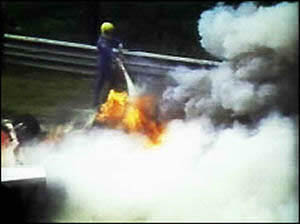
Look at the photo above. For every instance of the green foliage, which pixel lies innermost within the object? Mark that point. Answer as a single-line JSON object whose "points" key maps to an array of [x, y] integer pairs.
{"points": [[161, 27]]}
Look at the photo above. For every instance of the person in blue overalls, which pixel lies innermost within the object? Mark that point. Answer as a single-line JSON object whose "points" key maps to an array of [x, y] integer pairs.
{"points": [[108, 49]]}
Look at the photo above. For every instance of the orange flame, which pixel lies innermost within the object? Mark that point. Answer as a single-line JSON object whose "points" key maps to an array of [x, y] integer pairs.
{"points": [[132, 115]]}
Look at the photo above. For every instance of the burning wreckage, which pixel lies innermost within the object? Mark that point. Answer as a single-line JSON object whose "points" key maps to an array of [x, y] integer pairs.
{"points": [[226, 138], [129, 111], [24, 184]]}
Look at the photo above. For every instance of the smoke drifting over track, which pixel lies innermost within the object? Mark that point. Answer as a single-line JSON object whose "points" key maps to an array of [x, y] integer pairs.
{"points": [[260, 72], [211, 166]]}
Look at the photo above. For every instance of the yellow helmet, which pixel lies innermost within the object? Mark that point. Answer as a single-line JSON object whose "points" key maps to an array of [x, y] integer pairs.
{"points": [[107, 27]]}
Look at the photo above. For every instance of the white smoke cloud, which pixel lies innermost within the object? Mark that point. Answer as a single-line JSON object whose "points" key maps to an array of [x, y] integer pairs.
{"points": [[202, 172], [198, 174], [227, 32], [262, 45]]}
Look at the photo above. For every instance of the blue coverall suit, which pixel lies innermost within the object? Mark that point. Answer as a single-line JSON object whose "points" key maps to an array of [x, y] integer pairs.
{"points": [[104, 64]]}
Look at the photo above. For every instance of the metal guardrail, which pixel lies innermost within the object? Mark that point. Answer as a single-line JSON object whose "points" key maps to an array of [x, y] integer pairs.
{"points": [[81, 58]]}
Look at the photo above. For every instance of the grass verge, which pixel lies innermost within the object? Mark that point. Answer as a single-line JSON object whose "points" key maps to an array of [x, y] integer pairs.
{"points": [[41, 92]]}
